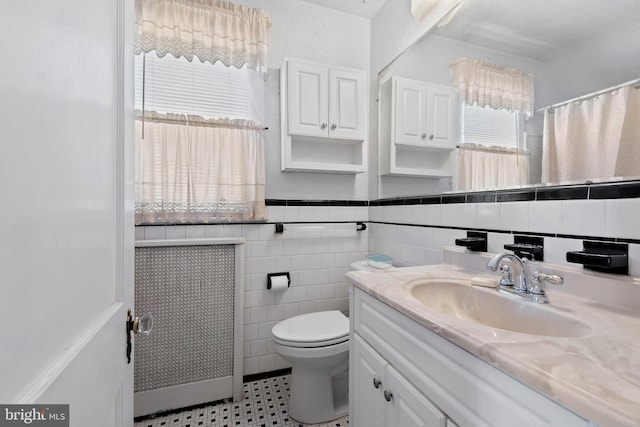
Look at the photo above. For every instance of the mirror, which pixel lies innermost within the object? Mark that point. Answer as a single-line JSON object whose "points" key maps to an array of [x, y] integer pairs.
{"points": [[573, 47]]}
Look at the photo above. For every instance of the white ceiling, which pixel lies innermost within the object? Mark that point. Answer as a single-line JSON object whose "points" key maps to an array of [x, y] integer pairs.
{"points": [[364, 8], [542, 28]]}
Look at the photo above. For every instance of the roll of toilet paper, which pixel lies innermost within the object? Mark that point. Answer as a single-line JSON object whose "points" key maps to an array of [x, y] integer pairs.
{"points": [[279, 283]]}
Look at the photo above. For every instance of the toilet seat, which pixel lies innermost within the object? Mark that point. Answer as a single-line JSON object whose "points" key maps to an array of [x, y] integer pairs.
{"points": [[312, 330]]}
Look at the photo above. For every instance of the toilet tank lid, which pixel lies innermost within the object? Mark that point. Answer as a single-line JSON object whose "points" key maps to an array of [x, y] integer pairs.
{"points": [[313, 327]]}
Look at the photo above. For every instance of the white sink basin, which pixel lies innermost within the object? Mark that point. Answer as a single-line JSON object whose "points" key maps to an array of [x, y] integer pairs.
{"points": [[489, 307]]}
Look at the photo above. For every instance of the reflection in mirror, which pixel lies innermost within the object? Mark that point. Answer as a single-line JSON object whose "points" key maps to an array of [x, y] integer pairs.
{"points": [[572, 48]]}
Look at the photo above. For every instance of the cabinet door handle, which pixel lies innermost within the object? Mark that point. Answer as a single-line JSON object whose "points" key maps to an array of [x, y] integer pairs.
{"points": [[376, 383], [431, 137], [423, 136], [388, 395], [334, 126], [323, 126]]}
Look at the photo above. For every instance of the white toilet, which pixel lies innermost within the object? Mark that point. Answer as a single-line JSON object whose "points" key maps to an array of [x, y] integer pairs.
{"points": [[317, 345]]}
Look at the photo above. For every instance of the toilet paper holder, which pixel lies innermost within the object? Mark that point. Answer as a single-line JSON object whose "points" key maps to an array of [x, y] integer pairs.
{"points": [[270, 275]]}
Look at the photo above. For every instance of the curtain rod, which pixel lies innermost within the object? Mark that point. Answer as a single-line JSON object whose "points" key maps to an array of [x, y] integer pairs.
{"points": [[590, 95]]}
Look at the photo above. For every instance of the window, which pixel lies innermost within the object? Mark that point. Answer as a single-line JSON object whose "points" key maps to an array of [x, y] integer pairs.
{"points": [[174, 85], [490, 155], [487, 126], [200, 111]]}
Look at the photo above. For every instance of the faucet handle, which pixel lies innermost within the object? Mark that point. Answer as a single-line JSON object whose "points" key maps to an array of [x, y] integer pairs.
{"points": [[551, 278], [506, 278], [536, 282]]}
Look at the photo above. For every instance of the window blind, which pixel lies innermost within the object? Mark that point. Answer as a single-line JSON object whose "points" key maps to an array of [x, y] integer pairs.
{"points": [[487, 126], [174, 85]]}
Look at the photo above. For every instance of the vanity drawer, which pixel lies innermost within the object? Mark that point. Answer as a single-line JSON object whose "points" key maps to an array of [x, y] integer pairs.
{"points": [[467, 389]]}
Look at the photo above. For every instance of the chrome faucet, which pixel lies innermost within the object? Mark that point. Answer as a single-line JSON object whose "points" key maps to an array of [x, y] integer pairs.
{"points": [[526, 286], [522, 279]]}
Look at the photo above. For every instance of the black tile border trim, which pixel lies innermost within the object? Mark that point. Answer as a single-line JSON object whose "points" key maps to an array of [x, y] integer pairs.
{"points": [[516, 232], [300, 202], [586, 191], [245, 379], [265, 375]]}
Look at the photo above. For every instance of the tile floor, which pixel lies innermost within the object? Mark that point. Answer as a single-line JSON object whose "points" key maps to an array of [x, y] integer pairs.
{"points": [[264, 405]]}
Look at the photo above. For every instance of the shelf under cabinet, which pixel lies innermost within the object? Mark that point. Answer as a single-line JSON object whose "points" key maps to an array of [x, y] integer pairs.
{"points": [[424, 147], [325, 155], [422, 173]]}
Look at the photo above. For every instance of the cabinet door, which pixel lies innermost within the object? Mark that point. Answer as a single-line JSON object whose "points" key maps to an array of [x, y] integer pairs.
{"points": [[407, 407], [410, 120], [441, 102], [308, 99], [347, 104], [369, 369]]}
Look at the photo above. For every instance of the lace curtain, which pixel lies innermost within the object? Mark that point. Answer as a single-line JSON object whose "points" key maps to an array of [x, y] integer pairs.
{"points": [[211, 30], [482, 167], [496, 86], [191, 169], [593, 139]]}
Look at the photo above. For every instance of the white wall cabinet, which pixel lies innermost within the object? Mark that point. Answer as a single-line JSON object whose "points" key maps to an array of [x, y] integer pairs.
{"points": [[323, 118], [417, 128], [432, 381]]}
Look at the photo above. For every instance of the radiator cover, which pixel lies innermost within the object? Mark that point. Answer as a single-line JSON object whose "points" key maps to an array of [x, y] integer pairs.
{"points": [[190, 292]]}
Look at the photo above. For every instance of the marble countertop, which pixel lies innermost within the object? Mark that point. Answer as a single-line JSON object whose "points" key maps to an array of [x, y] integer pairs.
{"points": [[596, 375]]}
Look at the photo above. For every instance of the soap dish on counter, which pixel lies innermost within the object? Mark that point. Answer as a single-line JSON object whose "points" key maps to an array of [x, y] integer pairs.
{"points": [[379, 261]]}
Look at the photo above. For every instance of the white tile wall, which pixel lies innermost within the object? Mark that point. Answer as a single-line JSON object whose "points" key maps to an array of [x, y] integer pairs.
{"points": [[488, 216], [621, 218], [583, 217], [545, 216], [423, 245], [514, 216], [316, 257]]}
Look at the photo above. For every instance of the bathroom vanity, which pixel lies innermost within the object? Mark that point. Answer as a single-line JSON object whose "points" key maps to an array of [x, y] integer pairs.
{"points": [[418, 359]]}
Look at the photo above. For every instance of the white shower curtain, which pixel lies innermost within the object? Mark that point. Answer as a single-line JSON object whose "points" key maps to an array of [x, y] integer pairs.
{"points": [[594, 139], [482, 167]]}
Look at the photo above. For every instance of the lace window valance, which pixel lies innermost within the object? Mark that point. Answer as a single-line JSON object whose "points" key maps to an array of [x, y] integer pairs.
{"points": [[211, 30], [487, 84]]}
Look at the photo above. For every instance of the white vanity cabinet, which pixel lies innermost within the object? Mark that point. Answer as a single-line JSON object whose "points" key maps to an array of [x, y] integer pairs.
{"points": [[385, 397], [432, 381], [323, 118], [417, 128]]}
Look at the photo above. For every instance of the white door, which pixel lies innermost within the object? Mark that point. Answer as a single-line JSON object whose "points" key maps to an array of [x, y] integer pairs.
{"points": [[308, 99], [368, 383], [347, 104], [441, 102], [410, 118], [66, 222], [407, 407]]}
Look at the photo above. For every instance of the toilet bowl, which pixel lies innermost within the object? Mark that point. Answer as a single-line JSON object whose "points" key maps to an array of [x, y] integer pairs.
{"points": [[317, 346]]}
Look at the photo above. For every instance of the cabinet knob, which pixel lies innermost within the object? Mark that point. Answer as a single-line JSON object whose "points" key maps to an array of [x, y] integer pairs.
{"points": [[376, 383], [388, 395], [323, 126], [333, 126], [431, 137], [423, 136]]}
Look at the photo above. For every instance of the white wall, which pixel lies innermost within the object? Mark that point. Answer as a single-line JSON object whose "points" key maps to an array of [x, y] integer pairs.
{"points": [[305, 31]]}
